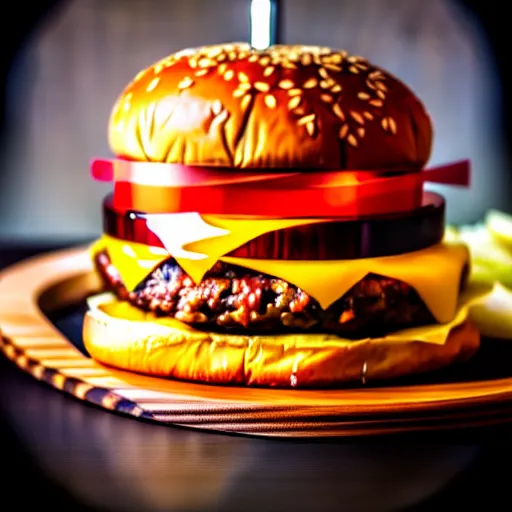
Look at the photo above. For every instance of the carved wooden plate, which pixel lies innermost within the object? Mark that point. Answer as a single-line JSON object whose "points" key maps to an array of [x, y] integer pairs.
{"points": [[476, 395]]}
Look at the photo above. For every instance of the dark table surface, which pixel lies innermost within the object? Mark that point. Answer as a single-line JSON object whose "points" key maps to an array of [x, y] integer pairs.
{"points": [[67, 454]]}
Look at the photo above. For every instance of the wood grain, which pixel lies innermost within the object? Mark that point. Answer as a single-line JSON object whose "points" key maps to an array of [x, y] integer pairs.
{"points": [[65, 277]]}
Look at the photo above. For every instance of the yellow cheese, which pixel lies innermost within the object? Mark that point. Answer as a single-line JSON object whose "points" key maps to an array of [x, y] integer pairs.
{"points": [[198, 241], [133, 261], [433, 272]]}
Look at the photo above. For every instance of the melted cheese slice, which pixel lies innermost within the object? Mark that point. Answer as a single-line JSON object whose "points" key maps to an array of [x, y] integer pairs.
{"points": [[195, 241], [198, 241], [133, 261], [434, 272]]}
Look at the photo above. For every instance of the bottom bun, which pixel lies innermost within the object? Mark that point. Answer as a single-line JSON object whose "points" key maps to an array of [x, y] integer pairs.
{"points": [[168, 348]]}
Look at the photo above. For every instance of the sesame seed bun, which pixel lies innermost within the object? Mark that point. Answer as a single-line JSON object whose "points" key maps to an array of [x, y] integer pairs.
{"points": [[284, 107]]}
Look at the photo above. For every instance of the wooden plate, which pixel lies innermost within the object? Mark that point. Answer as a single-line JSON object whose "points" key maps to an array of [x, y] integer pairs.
{"points": [[31, 290]]}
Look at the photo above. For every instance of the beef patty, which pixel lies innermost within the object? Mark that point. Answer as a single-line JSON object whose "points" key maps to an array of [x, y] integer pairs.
{"points": [[236, 299]]}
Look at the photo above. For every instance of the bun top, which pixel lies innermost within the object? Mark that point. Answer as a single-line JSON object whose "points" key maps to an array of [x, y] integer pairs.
{"points": [[230, 105]]}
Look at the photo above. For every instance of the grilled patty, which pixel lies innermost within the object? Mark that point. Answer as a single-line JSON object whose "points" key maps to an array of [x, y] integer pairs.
{"points": [[236, 299]]}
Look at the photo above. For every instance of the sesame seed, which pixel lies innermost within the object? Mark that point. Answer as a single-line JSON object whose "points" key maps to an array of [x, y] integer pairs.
{"points": [[336, 88], [201, 72], [306, 59], [222, 68], [326, 98], [352, 140], [237, 93], [217, 107], [245, 101], [288, 64], [242, 55], [353, 70], [362, 66], [368, 115], [323, 73], [294, 102], [243, 77], [229, 74], [286, 84], [338, 112], [360, 132], [214, 52], [306, 119], [253, 58], [262, 86], [385, 123], [327, 84], [265, 60], [336, 58], [376, 103], [381, 86], [205, 62], [376, 74], [363, 96], [381, 94], [268, 71], [311, 83], [232, 55], [270, 101], [392, 125], [185, 83], [356, 116], [294, 92], [343, 131], [222, 57], [153, 84], [245, 86], [333, 67], [370, 84], [158, 68], [310, 128]]}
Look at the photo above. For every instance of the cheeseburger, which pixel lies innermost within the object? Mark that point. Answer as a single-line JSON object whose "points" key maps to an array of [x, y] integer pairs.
{"points": [[268, 225]]}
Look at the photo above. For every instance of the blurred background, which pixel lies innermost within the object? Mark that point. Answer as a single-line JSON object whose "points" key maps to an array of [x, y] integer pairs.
{"points": [[65, 62]]}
